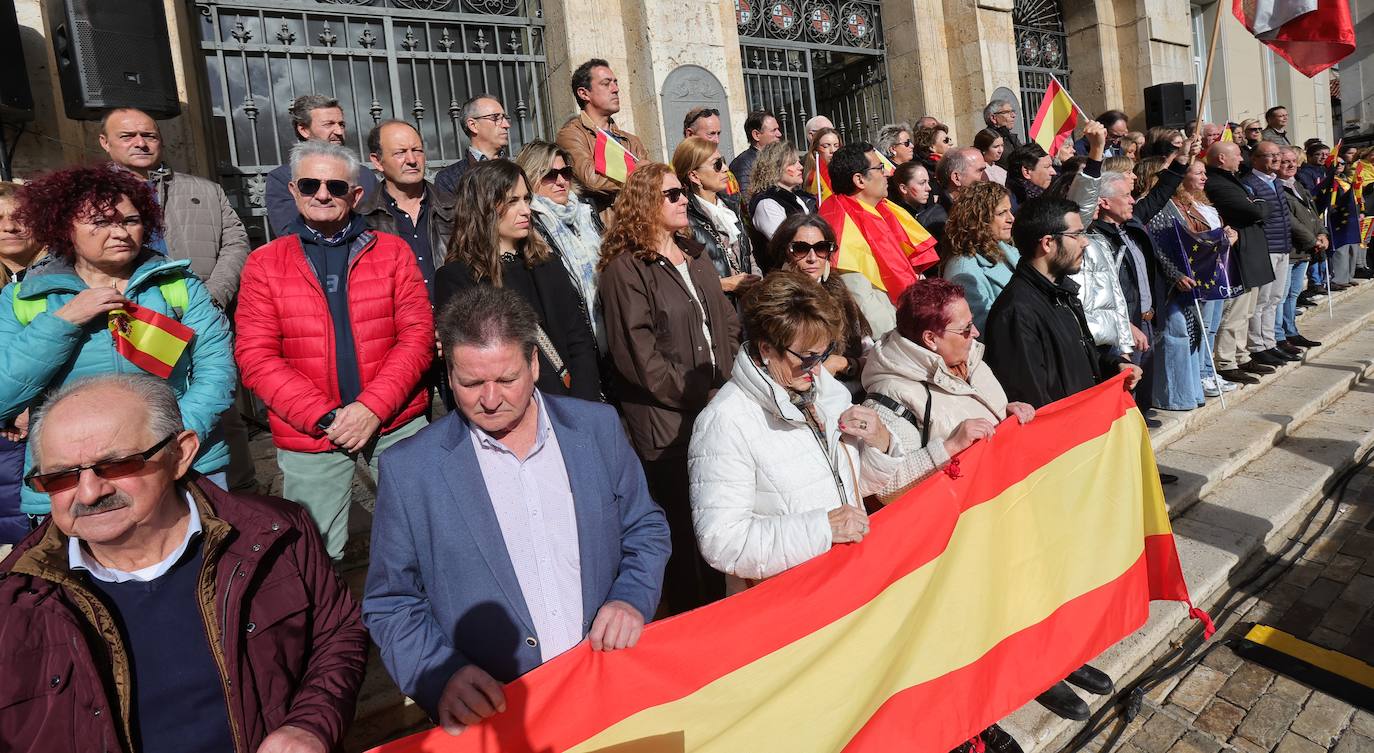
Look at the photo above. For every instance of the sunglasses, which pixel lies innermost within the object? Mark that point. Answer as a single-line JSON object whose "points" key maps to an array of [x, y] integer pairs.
{"points": [[718, 165], [964, 332], [822, 249], [906, 143], [61, 481], [701, 112], [674, 195], [947, 140], [810, 362], [311, 186], [566, 173]]}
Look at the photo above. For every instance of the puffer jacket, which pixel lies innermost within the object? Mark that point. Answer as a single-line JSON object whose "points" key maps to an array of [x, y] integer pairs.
{"points": [[982, 278], [727, 262], [1278, 224], [284, 627], [286, 347], [203, 228], [761, 483], [51, 351], [1104, 303]]}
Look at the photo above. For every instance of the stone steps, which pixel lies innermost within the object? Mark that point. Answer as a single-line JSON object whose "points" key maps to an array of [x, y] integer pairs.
{"points": [[1246, 476]]}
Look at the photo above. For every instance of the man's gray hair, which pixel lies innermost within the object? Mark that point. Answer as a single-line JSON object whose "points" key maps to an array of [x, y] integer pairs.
{"points": [[887, 136], [313, 148], [994, 106], [483, 315], [305, 104], [1113, 184], [470, 110], [164, 413], [955, 161]]}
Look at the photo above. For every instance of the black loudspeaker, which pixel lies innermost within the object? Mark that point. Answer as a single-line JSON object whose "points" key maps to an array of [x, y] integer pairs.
{"points": [[1171, 105], [113, 54], [16, 100]]}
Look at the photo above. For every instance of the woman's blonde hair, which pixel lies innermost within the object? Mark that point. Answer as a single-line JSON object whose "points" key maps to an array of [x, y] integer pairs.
{"points": [[968, 232], [638, 220], [689, 155], [768, 168], [536, 159]]}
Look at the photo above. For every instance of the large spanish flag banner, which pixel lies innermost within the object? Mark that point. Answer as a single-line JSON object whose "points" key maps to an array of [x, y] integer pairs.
{"points": [[972, 594], [883, 243], [149, 340], [1056, 118], [612, 159]]}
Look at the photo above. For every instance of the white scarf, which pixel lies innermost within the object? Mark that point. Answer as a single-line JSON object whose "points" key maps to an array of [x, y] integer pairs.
{"points": [[725, 220]]}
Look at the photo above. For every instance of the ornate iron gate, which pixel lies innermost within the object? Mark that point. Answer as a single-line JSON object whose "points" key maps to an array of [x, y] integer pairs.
{"points": [[1041, 51], [416, 60], [803, 58]]}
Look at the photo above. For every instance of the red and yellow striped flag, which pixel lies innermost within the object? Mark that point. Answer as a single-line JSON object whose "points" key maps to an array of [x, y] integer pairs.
{"points": [[883, 243], [731, 183], [1055, 120], [149, 340], [611, 159], [1334, 155], [821, 180], [971, 595], [1227, 134]]}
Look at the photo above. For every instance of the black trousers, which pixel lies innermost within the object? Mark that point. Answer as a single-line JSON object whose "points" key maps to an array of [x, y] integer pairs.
{"points": [[688, 582]]}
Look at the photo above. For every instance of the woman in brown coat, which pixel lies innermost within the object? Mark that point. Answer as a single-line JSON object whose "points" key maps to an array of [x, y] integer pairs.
{"points": [[672, 336]]}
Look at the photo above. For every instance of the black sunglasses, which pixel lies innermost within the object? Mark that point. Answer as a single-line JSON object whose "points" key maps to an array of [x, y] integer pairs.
{"points": [[61, 481], [673, 195], [311, 186], [810, 362], [718, 165], [800, 250], [565, 172]]}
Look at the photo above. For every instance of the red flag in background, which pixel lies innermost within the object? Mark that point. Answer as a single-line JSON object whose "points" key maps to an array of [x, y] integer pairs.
{"points": [[1312, 35]]}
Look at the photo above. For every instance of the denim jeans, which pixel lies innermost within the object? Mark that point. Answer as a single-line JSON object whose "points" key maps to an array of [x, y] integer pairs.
{"points": [[1211, 320], [1288, 314], [1176, 384], [1318, 272]]}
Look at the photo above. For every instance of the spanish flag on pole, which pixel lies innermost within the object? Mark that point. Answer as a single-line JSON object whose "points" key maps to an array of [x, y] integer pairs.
{"points": [[821, 180], [976, 591], [883, 243], [149, 340], [1056, 119], [611, 158]]}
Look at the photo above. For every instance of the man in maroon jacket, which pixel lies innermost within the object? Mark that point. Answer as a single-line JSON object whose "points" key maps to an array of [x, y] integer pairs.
{"points": [[335, 334], [156, 612]]}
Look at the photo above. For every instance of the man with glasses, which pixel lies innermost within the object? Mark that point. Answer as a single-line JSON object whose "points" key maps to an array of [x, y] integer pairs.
{"points": [[483, 119], [158, 612], [335, 334], [1263, 184], [1000, 116], [596, 90], [314, 117], [1117, 124], [408, 205], [703, 122]]}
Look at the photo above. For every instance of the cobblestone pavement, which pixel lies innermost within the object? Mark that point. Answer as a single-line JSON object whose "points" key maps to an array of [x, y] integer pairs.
{"points": [[1227, 703]]}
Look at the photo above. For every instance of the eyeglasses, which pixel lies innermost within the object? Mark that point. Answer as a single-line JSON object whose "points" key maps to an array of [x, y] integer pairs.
{"points": [[496, 118], [871, 168], [800, 250], [1074, 234], [61, 481], [1000, 113], [964, 332], [906, 143], [673, 195], [311, 186], [810, 362], [565, 172]]}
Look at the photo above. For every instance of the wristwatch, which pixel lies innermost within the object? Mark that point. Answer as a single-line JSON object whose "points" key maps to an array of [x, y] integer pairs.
{"points": [[328, 420]]}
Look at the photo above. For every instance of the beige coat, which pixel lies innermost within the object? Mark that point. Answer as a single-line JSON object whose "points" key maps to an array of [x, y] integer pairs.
{"points": [[907, 372]]}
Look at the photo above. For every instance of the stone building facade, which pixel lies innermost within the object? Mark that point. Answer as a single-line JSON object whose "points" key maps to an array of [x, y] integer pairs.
{"points": [[860, 62]]}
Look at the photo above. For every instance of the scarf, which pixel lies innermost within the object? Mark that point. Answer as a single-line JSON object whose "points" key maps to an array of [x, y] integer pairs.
{"points": [[726, 222], [574, 236]]}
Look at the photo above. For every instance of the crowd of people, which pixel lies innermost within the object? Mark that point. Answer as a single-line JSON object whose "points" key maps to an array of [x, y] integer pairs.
{"points": [[585, 402]]}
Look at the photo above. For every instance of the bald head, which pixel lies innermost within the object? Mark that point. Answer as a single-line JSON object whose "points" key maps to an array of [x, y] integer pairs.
{"points": [[1224, 155], [816, 124], [961, 168]]}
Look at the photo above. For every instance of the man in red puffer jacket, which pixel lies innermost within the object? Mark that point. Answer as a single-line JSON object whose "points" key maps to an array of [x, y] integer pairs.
{"points": [[335, 333]]}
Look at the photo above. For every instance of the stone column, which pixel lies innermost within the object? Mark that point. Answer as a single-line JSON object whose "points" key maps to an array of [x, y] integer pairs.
{"points": [[982, 57], [1094, 56], [1155, 37], [918, 64]]}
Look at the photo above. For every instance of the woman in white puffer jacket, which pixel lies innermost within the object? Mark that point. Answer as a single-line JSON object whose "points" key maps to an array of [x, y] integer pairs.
{"points": [[780, 461]]}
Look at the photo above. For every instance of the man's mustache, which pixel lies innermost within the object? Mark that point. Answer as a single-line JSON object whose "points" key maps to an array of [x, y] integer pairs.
{"points": [[115, 501]]}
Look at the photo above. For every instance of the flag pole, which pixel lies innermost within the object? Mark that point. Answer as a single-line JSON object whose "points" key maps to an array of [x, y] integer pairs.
{"points": [[1207, 73], [1207, 350], [818, 175]]}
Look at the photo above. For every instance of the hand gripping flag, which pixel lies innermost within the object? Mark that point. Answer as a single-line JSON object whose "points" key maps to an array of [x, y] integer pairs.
{"points": [[884, 243], [1205, 257], [972, 594], [1056, 118], [611, 159], [149, 340], [1312, 35]]}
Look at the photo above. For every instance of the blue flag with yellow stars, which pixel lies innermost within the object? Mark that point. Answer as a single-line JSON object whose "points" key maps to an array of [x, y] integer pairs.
{"points": [[1205, 257]]}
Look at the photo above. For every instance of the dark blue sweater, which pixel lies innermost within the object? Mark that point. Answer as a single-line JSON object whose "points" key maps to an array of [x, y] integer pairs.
{"points": [[329, 258]]}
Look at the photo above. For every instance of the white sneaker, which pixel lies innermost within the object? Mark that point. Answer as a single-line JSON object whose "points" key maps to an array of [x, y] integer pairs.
{"points": [[1227, 386], [1210, 387]]}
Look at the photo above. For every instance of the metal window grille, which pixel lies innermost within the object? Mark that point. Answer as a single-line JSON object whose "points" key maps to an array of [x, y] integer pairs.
{"points": [[1041, 51]]}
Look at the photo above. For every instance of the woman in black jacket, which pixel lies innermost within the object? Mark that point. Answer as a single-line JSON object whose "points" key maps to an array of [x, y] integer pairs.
{"points": [[712, 216], [493, 244]]}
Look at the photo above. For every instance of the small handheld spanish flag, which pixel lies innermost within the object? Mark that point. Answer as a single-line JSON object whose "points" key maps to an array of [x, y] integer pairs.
{"points": [[822, 180], [888, 167], [149, 340], [1227, 134], [1056, 119], [612, 159]]}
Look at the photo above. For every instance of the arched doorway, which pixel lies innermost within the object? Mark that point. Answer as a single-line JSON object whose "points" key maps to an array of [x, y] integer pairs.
{"points": [[1041, 51], [816, 57]]}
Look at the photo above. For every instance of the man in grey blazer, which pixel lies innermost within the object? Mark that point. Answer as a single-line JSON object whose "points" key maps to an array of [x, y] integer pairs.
{"points": [[508, 531]]}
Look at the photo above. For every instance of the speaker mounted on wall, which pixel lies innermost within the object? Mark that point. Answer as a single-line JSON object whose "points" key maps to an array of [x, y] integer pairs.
{"points": [[113, 54], [16, 98]]}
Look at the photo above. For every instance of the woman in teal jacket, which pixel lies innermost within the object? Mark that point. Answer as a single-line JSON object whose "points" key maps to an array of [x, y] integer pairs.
{"points": [[977, 250], [54, 325]]}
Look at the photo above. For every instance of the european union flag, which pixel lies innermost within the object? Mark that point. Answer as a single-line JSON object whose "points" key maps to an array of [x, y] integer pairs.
{"points": [[1205, 257]]}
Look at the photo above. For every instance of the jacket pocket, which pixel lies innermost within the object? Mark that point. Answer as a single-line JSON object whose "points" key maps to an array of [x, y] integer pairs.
{"points": [[34, 674], [276, 641]]}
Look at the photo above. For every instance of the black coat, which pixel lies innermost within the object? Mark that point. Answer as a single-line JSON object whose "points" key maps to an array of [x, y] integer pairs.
{"points": [[705, 233], [547, 288], [1246, 217], [1038, 343]]}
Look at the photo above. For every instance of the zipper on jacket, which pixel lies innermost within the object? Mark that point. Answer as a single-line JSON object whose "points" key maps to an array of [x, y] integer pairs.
{"points": [[217, 650]]}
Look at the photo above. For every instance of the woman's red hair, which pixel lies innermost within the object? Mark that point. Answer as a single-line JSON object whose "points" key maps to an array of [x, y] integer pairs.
{"points": [[49, 206]]}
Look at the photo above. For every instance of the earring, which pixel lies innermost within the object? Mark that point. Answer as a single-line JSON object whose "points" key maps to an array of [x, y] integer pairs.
{"points": [[765, 360]]}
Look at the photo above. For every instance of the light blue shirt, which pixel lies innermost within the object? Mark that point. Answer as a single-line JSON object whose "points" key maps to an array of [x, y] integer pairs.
{"points": [[534, 507], [77, 560]]}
